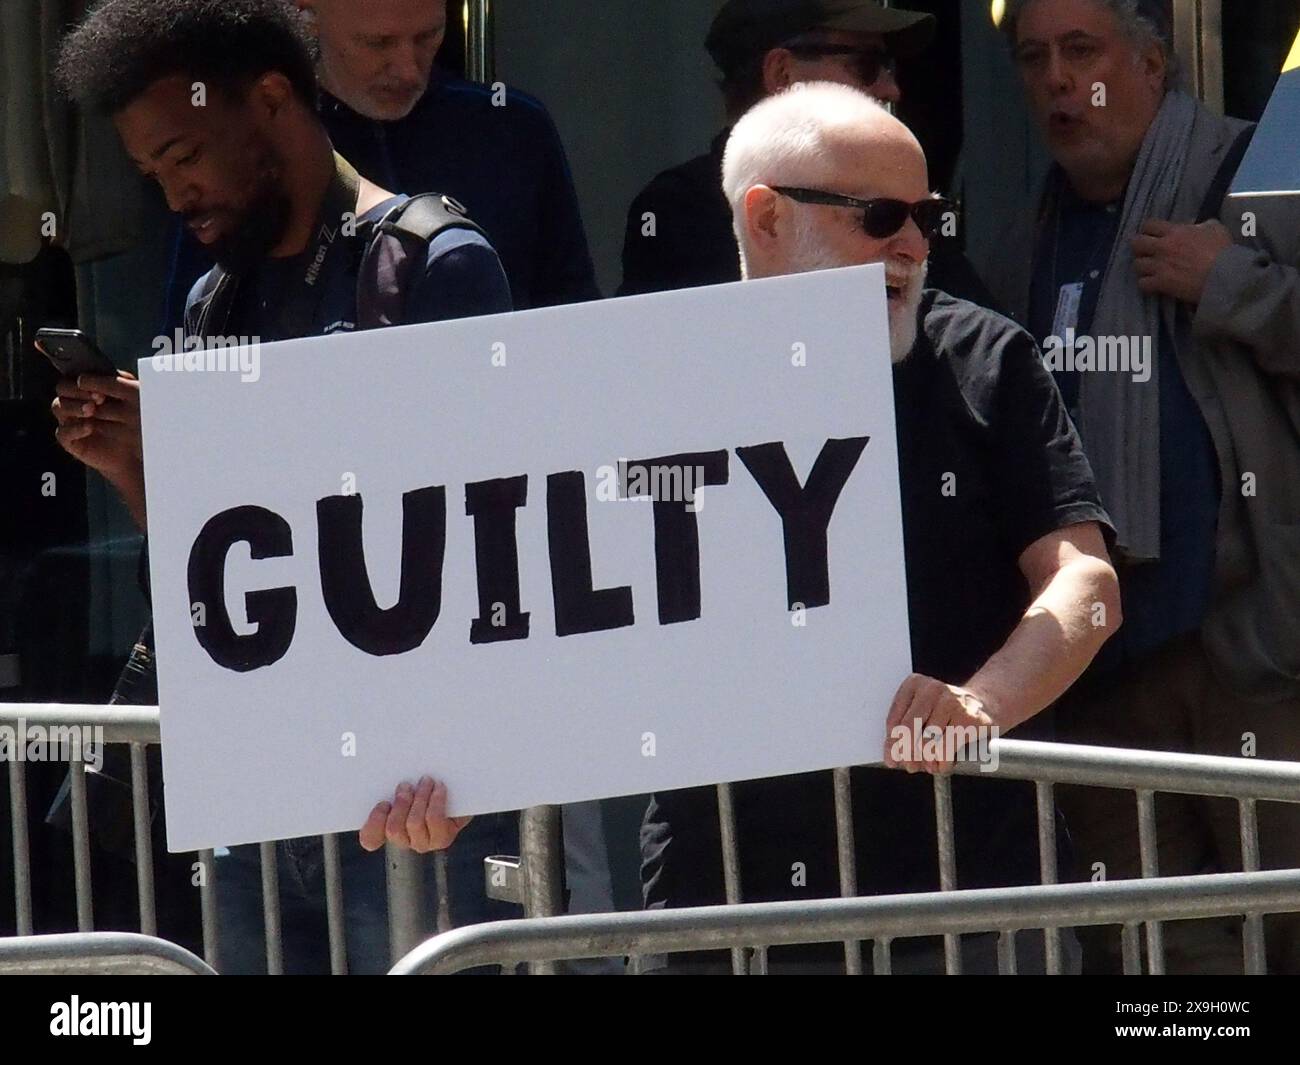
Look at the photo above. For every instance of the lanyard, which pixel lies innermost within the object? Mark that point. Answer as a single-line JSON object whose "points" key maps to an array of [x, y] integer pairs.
{"points": [[1100, 248], [1096, 259]]}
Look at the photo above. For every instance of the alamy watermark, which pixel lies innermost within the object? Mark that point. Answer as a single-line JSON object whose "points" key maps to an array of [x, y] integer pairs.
{"points": [[215, 354], [664, 483], [951, 744], [1085, 354], [133, 1020], [52, 743]]}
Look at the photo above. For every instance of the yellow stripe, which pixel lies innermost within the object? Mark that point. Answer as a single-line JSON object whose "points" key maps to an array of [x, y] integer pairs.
{"points": [[1293, 60]]}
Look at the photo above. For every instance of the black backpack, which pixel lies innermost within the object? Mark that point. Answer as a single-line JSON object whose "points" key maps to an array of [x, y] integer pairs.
{"points": [[399, 239]]}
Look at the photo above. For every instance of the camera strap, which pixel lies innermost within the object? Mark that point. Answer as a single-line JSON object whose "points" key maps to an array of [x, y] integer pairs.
{"points": [[328, 252]]}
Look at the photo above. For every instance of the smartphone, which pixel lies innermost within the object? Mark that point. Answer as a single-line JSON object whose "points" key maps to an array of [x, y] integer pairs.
{"points": [[73, 353]]}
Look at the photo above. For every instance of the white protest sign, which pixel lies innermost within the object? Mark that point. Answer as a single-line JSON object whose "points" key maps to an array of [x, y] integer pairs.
{"points": [[411, 551]]}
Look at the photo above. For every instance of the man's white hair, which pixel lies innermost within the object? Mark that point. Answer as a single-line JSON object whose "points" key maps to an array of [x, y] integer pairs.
{"points": [[785, 140]]}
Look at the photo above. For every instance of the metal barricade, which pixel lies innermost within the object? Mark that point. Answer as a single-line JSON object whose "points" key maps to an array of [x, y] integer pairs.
{"points": [[535, 881], [881, 919], [536, 885], [98, 954], [1047, 765]]}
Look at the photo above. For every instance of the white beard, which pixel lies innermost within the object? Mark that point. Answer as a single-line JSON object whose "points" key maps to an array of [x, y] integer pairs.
{"points": [[903, 314], [809, 255]]}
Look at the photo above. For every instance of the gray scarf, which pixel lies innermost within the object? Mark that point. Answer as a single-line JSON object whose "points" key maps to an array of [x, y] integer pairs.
{"points": [[1121, 417]]}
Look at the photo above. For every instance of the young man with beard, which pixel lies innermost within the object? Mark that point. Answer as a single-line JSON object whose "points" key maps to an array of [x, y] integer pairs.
{"points": [[216, 101], [1005, 577]]}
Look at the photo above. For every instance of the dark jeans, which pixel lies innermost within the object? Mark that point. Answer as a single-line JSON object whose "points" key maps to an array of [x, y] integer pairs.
{"points": [[301, 864]]}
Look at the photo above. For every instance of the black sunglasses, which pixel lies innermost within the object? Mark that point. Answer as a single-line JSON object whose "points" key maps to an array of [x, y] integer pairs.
{"points": [[868, 61], [880, 218]]}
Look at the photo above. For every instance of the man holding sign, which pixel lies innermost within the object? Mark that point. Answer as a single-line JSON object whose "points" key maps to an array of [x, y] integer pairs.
{"points": [[1010, 589]]}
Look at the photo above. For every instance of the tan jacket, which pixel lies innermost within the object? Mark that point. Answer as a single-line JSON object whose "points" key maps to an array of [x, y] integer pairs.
{"points": [[1239, 352]]}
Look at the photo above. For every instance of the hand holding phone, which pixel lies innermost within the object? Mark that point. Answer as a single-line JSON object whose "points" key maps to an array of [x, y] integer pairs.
{"points": [[99, 424]]}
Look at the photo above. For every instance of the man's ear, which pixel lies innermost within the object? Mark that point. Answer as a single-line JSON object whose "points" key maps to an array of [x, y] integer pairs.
{"points": [[270, 95], [1155, 65], [778, 70], [762, 210]]}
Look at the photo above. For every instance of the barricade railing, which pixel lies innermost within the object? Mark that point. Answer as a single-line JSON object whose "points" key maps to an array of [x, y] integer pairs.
{"points": [[1248, 780], [534, 885], [879, 919], [535, 879], [98, 954], [1146, 773]]}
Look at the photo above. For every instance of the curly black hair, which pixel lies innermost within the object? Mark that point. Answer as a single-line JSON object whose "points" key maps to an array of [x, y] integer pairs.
{"points": [[125, 46]]}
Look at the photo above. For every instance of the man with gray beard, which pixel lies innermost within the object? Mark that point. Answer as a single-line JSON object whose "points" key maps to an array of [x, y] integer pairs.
{"points": [[1198, 458], [1010, 588]]}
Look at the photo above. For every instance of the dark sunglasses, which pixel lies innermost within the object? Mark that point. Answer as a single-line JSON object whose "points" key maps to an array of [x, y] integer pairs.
{"points": [[868, 61], [880, 218]]}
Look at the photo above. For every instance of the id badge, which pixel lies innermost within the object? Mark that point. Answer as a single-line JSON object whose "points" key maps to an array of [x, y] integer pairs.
{"points": [[1067, 309]]}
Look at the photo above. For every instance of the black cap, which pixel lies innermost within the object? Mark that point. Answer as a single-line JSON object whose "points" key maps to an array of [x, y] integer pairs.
{"points": [[745, 29]]}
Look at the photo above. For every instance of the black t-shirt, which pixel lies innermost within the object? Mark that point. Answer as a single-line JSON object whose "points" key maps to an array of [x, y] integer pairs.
{"points": [[980, 416]]}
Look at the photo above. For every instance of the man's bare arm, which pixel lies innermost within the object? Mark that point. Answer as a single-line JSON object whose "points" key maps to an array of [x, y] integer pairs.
{"points": [[1076, 609]]}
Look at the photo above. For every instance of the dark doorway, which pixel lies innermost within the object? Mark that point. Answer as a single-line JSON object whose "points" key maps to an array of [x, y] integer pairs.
{"points": [[1257, 37], [932, 91]]}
